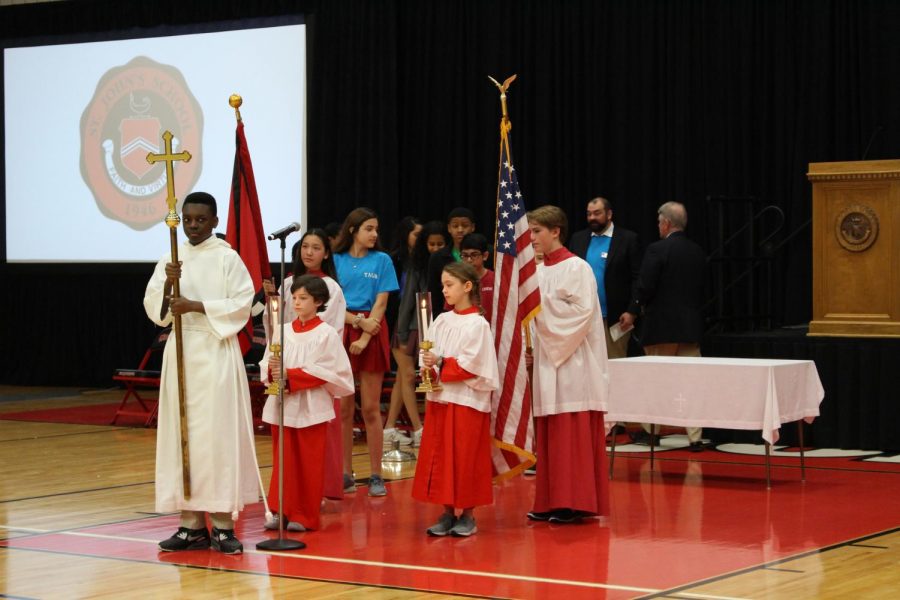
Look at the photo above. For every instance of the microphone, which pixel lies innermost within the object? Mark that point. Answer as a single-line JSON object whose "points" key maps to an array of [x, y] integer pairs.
{"points": [[875, 133], [284, 231]]}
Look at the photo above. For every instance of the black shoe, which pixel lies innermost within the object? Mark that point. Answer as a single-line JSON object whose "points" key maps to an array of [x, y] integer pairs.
{"points": [[565, 515], [540, 516], [642, 438], [186, 539], [224, 541], [696, 447]]}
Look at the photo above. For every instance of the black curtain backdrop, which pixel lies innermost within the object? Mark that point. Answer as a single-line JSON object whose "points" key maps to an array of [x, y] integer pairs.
{"points": [[642, 101]]}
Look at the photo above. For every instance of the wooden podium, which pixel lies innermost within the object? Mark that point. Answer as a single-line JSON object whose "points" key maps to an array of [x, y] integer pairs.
{"points": [[856, 248]]}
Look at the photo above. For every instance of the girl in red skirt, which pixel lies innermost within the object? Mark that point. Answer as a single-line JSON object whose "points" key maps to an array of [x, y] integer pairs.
{"points": [[367, 276], [454, 465], [316, 371]]}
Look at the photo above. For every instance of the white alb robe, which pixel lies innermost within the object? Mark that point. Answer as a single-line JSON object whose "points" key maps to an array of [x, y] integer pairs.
{"points": [[467, 338], [570, 370], [320, 353], [224, 472]]}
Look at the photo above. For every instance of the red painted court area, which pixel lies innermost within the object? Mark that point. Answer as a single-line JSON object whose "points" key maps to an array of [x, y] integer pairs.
{"points": [[689, 520]]}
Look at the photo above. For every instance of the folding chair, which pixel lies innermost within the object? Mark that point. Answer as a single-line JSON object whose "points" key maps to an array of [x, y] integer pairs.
{"points": [[141, 377]]}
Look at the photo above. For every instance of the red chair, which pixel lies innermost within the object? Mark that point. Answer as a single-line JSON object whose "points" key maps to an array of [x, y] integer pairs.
{"points": [[144, 378]]}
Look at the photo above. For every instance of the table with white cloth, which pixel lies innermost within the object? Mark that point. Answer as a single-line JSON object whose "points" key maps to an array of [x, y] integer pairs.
{"points": [[726, 393]]}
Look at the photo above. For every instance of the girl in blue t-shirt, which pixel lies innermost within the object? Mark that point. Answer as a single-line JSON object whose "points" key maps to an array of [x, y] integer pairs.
{"points": [[367, 276]]}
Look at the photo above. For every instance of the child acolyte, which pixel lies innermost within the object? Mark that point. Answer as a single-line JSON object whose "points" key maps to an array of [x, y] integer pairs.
{"points": [[316, 371], [454, 467]]}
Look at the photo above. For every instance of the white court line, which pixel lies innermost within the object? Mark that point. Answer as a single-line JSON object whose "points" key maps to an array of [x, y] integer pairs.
{"points": [[369, 563]]}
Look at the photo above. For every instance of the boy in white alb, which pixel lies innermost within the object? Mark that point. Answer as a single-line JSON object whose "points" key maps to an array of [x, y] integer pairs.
{"points": [[571, 382], [216, 293], [316, 371]]}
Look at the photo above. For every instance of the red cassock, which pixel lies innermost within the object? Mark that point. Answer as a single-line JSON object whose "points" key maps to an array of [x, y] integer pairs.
{"points": [[334, 457], [572, 467], [454, 466], [304, 459], [304, 456]]}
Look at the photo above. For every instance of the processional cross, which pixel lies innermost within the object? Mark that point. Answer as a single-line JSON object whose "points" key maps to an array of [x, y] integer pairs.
{"points": [[172, 220]]}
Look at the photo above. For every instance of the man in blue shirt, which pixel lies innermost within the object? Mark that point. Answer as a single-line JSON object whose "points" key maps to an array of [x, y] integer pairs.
{"points": [[614, 255]]}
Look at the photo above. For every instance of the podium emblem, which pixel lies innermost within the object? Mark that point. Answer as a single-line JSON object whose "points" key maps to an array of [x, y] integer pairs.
{"points": [[857, 228]]}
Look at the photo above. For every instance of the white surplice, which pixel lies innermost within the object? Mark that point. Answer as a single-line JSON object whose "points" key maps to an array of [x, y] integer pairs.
{"points": [[467, 338], [335, 308], [570, 370], [320, 353], [224, 473]]}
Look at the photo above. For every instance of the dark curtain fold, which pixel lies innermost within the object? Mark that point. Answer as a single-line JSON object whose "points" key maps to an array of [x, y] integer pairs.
{"points": [[643, 101]]}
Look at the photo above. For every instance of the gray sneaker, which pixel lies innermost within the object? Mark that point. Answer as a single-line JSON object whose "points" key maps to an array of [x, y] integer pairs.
{"points": [[291, 526], [464, 527], [376, 486], [443, 526], [349, 484]]}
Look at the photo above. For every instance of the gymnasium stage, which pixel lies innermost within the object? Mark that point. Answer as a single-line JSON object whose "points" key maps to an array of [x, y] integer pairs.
{"points": [[77, 520]]}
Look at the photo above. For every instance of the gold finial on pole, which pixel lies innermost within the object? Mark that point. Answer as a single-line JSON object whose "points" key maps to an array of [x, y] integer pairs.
{"points": [[235, 101], [503, 87]]}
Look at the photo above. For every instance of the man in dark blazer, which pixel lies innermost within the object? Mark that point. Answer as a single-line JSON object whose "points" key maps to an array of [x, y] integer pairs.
{"points": [[670, 293], [614, 255]]}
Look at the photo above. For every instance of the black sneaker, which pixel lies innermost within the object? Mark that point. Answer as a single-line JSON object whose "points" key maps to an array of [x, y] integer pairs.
{"points": [[540, 516], [186, 539], [642, 438], [224, 541], [566, 515]]}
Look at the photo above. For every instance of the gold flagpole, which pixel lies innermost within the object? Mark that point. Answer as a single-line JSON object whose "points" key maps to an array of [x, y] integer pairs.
{"points": [[172, 220], [505, 127]]}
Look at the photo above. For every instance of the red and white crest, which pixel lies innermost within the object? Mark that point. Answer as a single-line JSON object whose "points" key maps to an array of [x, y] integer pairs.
{"points": [[140, 135], [132, 105]]}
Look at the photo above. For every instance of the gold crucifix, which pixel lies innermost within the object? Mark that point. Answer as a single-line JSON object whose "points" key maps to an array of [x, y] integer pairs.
{"points": [[169, 159], [172, 220]]}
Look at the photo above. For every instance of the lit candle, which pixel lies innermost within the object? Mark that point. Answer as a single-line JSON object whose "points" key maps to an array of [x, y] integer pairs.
{"points": [[423, 318], [275, 318]]}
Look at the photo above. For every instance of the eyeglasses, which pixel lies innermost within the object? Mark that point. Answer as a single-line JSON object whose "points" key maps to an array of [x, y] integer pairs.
{"points": [[470, 255]]}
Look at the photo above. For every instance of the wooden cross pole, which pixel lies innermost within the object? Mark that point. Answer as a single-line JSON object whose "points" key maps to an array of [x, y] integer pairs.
{"points": [[172, 220]]}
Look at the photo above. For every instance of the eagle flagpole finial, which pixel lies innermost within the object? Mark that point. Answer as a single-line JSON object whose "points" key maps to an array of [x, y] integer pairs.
{"points": [[503, 87]]}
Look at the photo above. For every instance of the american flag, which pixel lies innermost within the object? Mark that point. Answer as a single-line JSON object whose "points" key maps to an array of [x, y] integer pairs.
{"points": [[516, 302]]}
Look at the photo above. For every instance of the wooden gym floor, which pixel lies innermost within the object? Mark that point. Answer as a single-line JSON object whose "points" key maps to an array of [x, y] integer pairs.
{"points": [[77, 521]]}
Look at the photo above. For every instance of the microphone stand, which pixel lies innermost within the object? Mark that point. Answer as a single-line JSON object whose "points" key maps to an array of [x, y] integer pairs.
{"points": [[281, 542]]}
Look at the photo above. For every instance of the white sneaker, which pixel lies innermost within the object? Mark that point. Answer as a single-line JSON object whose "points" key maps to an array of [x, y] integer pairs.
{"points": [[417, 437], [392, 435]]}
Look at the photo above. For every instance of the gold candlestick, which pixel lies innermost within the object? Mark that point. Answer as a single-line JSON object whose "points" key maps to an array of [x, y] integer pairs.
{"points": [[274, 387], [427, 384]]}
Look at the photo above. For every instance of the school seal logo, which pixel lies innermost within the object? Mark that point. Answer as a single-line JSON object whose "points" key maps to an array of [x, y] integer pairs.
{"points": [[132, 105], [856, 227]]}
